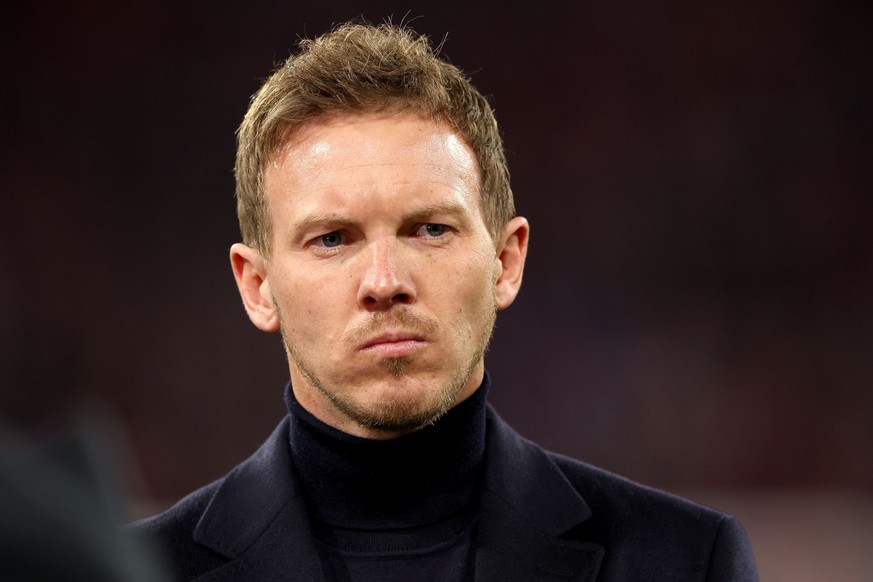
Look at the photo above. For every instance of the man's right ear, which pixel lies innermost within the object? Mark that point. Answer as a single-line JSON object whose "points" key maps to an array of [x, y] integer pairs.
{"points": [[250, 272]]}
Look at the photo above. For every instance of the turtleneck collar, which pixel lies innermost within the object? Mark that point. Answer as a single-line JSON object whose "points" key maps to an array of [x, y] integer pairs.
{"points": [[412, 480]]}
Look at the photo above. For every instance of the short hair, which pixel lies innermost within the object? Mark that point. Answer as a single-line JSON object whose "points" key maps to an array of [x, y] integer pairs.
{"points": [[363, 68]]}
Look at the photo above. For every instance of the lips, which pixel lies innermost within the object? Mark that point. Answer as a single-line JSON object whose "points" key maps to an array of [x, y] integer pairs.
{"points": [[394, 344]]}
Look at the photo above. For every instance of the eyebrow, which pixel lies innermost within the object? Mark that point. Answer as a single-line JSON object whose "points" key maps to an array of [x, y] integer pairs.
{"points": [[317, 220], [312, 221], [454, 210]]}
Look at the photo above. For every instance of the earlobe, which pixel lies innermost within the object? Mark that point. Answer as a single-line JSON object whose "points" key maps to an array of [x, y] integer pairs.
{"points": [[511, 254], [250, 272]]}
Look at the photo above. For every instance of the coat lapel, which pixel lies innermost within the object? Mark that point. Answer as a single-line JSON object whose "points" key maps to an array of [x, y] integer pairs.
{"points": [[257, 519], [528, 510]]}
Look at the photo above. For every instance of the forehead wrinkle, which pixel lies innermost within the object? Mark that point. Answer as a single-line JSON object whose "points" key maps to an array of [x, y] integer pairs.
{"points": [[318, 156], [320, 151], [447, 173], [314, 162]]}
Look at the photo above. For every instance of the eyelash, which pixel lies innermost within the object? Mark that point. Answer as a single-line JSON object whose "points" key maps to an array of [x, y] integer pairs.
{"points": [[445, 229], [320, 239], [420, 230]]}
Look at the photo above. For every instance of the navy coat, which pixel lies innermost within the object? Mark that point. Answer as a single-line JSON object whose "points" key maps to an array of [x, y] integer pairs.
{"points": [[543, 517]]}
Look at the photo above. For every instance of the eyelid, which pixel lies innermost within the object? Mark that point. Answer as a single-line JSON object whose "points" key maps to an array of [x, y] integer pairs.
{"points": [[318, 242], [314, 227], [423, 226]]}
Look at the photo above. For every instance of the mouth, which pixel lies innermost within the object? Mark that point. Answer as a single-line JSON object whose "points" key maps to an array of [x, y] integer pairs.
{"points": [[394, 344]]}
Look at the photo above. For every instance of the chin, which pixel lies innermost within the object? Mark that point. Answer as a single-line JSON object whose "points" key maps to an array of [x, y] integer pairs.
{"points": [[397, 367], [401, 407]]}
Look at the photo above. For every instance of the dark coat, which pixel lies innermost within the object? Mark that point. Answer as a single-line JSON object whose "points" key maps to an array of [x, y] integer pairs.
{"points": [[543, 517]]}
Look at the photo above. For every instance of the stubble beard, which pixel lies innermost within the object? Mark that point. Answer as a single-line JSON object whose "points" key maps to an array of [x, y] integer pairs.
{"points": [[396, 415]]}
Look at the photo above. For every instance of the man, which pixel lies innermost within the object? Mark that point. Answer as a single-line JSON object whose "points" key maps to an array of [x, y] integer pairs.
{"points": [[380, 239]]}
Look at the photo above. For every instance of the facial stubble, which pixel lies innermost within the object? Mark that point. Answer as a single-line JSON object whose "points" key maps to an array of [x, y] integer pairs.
{"points": [[394, 415]]}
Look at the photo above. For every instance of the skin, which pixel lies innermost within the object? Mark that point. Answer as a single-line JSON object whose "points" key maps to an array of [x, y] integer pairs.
{"points": [[382, 276]]}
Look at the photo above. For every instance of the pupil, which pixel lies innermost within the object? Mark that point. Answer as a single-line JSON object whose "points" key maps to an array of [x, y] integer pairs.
{"points": [[434, 229], [331, 240]]}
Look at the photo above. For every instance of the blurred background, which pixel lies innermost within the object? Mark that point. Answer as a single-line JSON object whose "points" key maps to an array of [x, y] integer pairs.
{"points": [[697, 312]]}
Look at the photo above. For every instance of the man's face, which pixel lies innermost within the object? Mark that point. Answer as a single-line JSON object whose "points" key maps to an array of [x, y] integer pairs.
{"points": [[382, 271]]}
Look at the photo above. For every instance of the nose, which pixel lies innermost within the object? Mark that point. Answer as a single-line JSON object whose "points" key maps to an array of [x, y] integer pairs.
{"points": [[385, 282]]}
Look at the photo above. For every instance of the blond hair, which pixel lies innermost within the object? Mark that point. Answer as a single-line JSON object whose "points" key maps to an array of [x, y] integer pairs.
{"points": [[362, 68]]}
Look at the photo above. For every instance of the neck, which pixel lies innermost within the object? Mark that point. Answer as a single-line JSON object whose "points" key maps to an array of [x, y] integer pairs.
{"points": [[415, 479]]}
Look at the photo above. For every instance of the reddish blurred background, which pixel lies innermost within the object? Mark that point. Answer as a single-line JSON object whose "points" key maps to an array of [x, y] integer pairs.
{"points": [[697, 311]]}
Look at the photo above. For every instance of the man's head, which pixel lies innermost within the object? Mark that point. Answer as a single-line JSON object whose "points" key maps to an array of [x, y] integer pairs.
{"points": [[359, 68], [385, 260]]}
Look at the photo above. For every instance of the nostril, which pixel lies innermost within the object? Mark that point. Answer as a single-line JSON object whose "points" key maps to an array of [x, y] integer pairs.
{"points": [[401, 298]]}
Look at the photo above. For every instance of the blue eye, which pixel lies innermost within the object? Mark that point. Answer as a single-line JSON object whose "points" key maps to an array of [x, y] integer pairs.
{"points": [[435, 230], [331, 239]]}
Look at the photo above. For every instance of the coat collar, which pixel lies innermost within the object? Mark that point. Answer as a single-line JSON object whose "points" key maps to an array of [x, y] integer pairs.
{"points": [[528, 511], [257, 517]]}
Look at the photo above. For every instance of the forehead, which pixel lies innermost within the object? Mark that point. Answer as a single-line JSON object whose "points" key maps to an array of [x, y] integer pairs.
{"points": [[344, 143]]}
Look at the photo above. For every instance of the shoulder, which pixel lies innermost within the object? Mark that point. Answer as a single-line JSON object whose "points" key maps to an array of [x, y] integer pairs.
{"points": [[212, 525], [624, 501], [641, 529], [649, 529], [181, 518], [621, 497], [612, 496], [171, 534]]}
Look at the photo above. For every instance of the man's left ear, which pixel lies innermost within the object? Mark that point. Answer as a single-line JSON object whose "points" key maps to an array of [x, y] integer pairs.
{"points": [[509, 264]]}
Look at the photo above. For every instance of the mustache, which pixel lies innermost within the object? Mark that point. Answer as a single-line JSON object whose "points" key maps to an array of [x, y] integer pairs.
{"points": [[399, 317]]}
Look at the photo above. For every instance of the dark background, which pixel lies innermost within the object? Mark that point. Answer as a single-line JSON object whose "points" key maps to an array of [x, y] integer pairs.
{"points": [[698, 304]]}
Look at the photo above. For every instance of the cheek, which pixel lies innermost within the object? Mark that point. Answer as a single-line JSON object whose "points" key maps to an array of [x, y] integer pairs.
{"points": [[476, 286], [303, 304]]}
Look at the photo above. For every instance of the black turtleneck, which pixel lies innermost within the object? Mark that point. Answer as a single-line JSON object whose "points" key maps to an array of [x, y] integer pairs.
{"points": [[397, 509]]}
